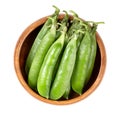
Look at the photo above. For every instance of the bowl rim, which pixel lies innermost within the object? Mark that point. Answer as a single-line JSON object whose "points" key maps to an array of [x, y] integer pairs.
{"points": [[18, 46]]}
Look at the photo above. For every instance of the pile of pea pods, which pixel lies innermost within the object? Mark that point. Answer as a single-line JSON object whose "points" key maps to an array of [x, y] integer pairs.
{"points": [[62, 56]]}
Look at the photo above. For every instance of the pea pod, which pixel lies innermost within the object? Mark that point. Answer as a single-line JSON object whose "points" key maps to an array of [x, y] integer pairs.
{"points": [[80, 69], [38, 39], [67, 91], [65, 70], [63, 23], [93, 52], [75, 26], [45, 44], [47, 69]]}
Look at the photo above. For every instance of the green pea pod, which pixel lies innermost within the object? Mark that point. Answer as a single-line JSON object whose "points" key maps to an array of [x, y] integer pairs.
{"points": [[76, 26], [45, 44], [47, 69], [93, 53], [38, 39], [67, 92], [68, 89], [65, 70], [80, 69]]}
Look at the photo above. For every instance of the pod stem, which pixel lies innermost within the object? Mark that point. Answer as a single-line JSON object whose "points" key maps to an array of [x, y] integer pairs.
{"points": [[94, 23], [64, 28], [54, 22], [74, 13], [80, 31], [51, 18], [57, 10], [65, 19], [82, 23]]}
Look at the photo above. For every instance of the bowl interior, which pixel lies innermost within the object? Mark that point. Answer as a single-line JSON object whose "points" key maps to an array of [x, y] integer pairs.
{"points": [[27, 39]]}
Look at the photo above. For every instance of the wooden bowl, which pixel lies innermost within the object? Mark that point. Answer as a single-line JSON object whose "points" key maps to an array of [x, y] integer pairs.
{"points": [[22, 48]]}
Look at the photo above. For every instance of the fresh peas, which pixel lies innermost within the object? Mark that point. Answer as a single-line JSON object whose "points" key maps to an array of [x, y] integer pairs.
{"points": [[47, 69], [45, 44], [65, 69], [67, 91], [38, 39], [93, 53], [80, 69], [62, 57]]}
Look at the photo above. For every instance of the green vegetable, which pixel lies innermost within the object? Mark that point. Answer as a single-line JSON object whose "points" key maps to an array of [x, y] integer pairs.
{"points": [[38, 39], [45, 44], [47, 69], [75, 26], [80, 70], [93, 52], [65, 70], [67, 91]]}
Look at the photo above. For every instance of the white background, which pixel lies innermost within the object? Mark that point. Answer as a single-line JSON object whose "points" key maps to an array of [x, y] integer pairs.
{"points": [[16, 103]]}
